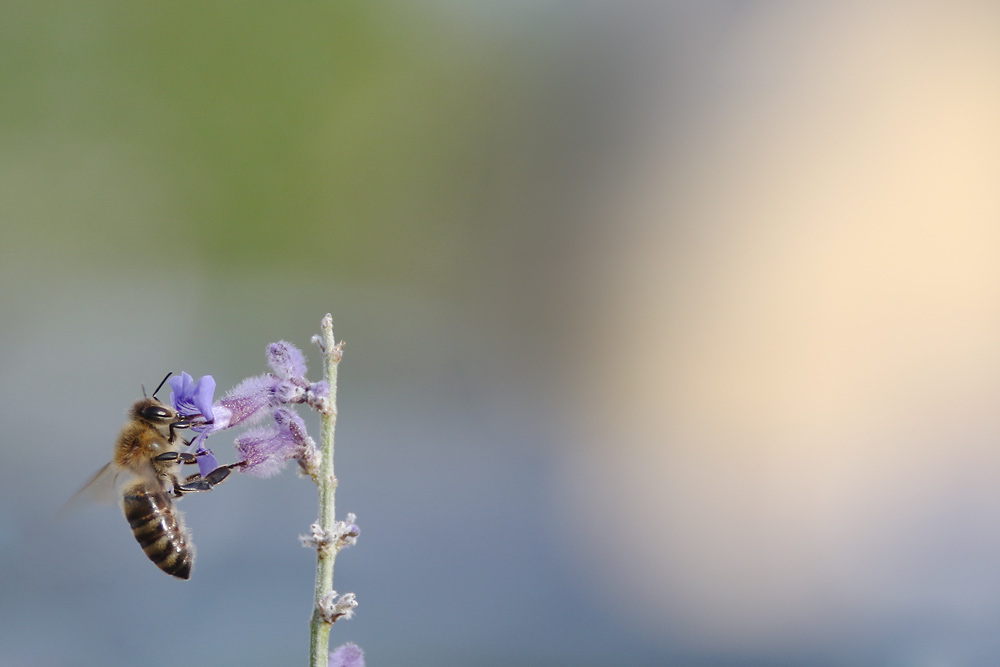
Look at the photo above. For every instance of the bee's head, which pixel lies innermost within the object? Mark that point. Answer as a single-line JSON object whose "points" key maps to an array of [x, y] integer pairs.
{"points": [[152, 411], [164, 419]]}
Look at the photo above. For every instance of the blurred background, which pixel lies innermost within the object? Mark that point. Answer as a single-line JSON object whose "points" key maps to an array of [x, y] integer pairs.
{"points": [[672, 329]]}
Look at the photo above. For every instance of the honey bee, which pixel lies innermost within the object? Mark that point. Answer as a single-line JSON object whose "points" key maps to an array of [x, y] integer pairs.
{"points": [[148, 454]]}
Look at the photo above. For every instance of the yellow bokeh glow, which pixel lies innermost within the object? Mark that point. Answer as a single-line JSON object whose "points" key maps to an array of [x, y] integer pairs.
{"points": [[800, 352]]}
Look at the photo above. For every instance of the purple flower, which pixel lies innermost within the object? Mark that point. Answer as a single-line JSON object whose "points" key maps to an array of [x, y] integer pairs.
{"points": [[286, 360], [192, 398], [265, 450], [321, 389], [289, 366], [250, 400], [347, 655], [247, 402]]}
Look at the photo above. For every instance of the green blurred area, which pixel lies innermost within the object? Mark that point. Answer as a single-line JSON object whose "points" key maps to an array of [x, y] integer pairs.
{"points": [[346, 139]]}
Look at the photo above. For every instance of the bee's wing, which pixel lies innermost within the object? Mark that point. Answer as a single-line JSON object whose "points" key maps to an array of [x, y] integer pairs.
{"points": [[102, 488]]}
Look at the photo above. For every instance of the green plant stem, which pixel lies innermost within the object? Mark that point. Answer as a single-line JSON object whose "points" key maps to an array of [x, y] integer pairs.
{"points": [[319, 636]]}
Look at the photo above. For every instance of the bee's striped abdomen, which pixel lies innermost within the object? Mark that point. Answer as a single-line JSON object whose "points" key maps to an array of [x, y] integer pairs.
{"points": [[158, 529]]}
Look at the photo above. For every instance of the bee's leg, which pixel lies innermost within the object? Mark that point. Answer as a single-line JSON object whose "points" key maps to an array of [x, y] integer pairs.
{"points": [[193, 458], [178, 488], [206, 483], [181, 423], [186, 458], [181, 457], [186, 422]]}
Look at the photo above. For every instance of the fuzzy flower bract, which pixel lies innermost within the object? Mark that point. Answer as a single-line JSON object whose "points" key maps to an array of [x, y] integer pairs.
{"points": [[265, 450]]}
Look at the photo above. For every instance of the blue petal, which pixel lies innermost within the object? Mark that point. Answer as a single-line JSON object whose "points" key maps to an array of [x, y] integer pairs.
{"points": [[190, 398], [206, 462], [202, 396]]}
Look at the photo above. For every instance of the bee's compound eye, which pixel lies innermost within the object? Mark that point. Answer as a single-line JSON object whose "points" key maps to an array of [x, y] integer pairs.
{"points": [[156, 413]]}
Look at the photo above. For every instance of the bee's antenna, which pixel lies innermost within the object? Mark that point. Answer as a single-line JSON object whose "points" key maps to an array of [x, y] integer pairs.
{"points": [[159, 386]]}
